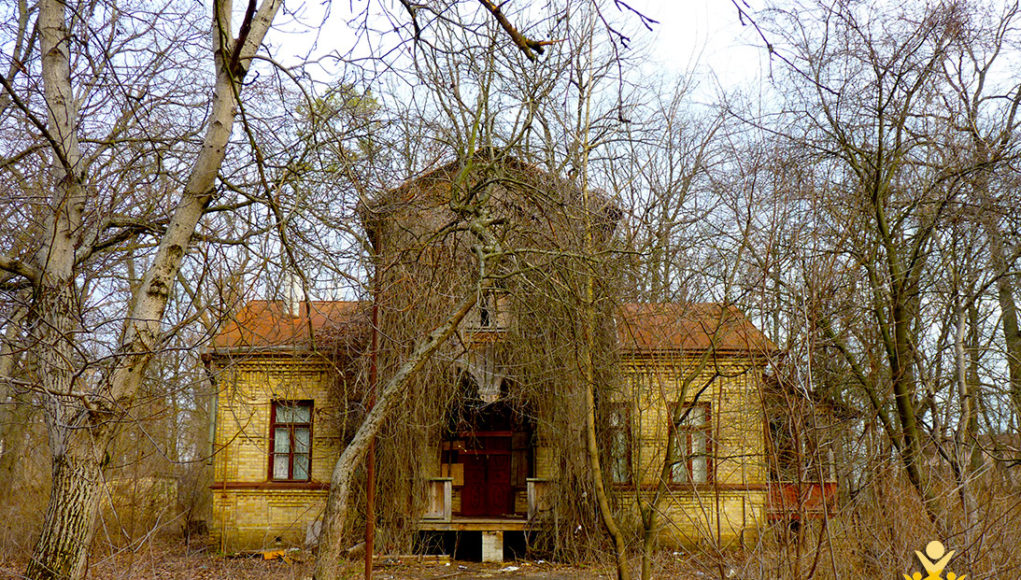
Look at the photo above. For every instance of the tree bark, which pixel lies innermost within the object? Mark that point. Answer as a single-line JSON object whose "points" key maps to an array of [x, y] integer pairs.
{"points": [[1008, 307], [62, 549], [81, 418], [338, 501]]}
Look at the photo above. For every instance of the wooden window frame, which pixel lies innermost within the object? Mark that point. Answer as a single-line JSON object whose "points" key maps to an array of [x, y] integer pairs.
{"points": [[684, 442], [627, 428], [489, 313], [274, 425]]}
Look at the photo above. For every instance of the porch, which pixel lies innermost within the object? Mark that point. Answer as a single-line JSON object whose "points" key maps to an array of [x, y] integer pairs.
{"points": [[439, 516]]}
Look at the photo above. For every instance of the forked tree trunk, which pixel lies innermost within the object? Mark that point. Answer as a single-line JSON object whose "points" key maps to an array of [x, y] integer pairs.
{"points": [[81, 415]]}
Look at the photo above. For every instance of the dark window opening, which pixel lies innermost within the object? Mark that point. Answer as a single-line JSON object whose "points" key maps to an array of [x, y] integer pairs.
{"points": [[484, 320]]}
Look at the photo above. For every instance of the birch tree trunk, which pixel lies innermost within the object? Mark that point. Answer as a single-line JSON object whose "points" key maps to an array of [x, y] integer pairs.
{"points": [[82, 417]]}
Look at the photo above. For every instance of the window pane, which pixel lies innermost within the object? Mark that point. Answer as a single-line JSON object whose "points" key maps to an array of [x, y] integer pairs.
{"points": [[281, 440], [280, 466], [301, 439], [283, 413], [698, 443], [679, 471], [301, 414], [699, 469], [620, 470], [301, 466], [679, 457], [616, 418], [695, 418]]}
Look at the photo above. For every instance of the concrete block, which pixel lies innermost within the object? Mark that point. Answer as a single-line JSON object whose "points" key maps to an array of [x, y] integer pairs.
{"points": [[492, 546]]}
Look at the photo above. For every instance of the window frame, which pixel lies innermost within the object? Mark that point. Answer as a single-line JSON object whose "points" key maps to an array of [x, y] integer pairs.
{"points": [[685, 446], [274, 425], [490, 312]]}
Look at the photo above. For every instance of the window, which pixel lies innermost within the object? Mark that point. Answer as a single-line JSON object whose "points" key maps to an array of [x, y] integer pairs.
{"points": [[290, 440], [490, 312], [692, 445], [618, 433], [486, 313]]}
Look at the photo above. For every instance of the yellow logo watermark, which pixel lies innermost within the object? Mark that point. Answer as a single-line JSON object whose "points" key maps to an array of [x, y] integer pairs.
{"points": [[934, 560]]}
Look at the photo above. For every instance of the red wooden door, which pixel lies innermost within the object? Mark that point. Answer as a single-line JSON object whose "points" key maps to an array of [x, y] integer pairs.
{"points": [[487, 478], [498, 485], [473, 497]]}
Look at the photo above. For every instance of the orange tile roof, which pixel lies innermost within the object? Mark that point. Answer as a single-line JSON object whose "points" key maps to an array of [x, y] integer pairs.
{"points": [[679, 327], [642, 328], [265, 324]]}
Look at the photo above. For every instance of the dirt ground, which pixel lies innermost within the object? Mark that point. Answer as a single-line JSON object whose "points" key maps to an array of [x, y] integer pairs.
{"points": [[172, 560]]}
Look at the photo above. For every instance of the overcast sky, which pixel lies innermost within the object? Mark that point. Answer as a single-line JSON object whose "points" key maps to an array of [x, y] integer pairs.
{"points": [[704, 36]]}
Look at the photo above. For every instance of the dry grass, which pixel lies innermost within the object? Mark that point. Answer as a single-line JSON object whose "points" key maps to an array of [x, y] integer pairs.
{"points": [[170, 559]]}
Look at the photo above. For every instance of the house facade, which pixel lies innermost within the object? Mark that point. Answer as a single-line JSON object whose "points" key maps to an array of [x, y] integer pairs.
{"points": [[283, 409], [489, 437]]}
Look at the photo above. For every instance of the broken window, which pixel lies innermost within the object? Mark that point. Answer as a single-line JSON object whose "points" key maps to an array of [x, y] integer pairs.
{"points": [[291, 441], [490, 313]]}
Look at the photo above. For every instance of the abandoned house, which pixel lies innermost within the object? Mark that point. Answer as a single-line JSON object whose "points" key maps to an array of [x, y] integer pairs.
{"points": [[488, 438]]}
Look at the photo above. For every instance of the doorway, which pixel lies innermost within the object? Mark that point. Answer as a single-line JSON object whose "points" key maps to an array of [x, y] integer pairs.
{"points": [[488, 452]]}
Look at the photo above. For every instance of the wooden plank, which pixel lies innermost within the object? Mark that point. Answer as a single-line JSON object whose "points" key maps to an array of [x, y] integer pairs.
{"points": [[475, 525]]}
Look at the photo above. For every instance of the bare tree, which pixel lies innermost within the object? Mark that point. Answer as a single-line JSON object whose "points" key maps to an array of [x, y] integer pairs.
{"points": [[84, 405]]}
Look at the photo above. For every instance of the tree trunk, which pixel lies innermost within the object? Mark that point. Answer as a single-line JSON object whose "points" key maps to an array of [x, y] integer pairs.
{"points": [[62, 549], [605, 510], [964, 436], [338, 501], [1008, 308], [81, 416]]}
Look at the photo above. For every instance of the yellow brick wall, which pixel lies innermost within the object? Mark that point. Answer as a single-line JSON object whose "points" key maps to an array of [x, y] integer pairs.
{"points": [[260, 519], [249, 518], [689, 516], [736, 489]]}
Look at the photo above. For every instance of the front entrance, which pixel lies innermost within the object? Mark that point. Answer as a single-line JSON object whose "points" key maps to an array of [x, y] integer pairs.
{"points": [[487, 452], [488, 485]]}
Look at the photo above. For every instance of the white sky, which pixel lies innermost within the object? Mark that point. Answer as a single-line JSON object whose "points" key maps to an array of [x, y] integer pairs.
{"points": [[705, 36], [692, 35]]}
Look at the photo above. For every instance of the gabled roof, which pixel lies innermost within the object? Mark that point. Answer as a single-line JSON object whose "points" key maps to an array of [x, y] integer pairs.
{"points": [[678, 327], [656, 328], [517, 190]]}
